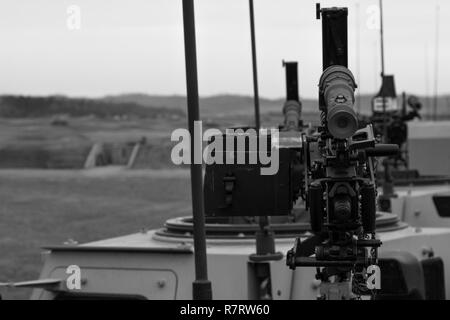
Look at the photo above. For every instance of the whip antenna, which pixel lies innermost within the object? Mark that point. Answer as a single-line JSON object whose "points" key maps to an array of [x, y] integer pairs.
{"points": [[255, 67], [201, 287]]}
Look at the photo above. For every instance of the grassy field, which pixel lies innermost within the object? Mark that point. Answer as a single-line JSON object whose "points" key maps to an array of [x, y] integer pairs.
{"points": [[42, 207]]}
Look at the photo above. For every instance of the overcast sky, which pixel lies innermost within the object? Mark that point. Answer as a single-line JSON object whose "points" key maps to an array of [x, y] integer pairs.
{"points": [[137, 46]]}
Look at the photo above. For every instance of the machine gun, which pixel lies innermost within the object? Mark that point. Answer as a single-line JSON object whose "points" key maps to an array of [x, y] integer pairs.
{"points": [[332, 170], [340, 186], [390, 122], [390, 125]]}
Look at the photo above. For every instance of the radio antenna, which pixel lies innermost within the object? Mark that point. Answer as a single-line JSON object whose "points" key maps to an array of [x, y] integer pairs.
{"points": [[382, 71], [358, 60], [201, 288], [427, 80], [265, 241], [388, 187], [255, 67], [436, 65]]}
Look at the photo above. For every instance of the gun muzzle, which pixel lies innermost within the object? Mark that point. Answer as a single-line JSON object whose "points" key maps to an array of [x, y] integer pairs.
{"points": [[336, 98]]}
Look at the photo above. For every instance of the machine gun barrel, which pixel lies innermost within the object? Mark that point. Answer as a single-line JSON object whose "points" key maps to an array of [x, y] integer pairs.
{"points": [[336, 99]]}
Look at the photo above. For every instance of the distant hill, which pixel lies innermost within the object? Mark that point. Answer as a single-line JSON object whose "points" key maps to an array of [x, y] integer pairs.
{"points": [[149, 106], [218, 105], [173, 102], [237, 104]]}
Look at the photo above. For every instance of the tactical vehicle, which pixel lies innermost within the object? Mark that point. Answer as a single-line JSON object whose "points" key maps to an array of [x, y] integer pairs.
{"points": [[316, 215]]}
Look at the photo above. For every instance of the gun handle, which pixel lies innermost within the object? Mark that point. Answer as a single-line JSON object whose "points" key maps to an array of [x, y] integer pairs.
{"points": [[383, 150]]}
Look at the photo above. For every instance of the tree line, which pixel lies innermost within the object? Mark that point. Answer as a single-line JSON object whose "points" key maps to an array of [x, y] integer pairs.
{"points": [[12, 106]]}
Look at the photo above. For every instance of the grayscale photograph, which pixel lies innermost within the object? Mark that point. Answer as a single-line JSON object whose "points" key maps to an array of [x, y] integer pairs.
{"points": [[224, 155]]}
